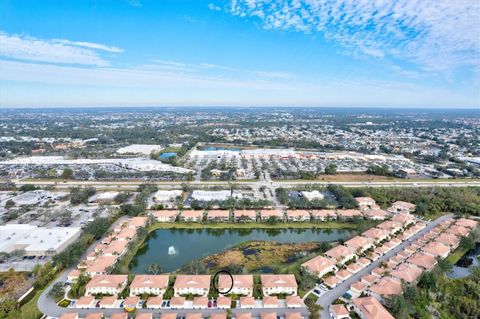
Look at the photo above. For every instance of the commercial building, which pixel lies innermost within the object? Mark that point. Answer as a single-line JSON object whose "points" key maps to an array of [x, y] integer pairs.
{"points": [[36, 241]]}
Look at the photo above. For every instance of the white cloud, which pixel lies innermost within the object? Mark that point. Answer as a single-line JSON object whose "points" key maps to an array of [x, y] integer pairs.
{"points": [[90, 45], [439, 35], [53, 51], [67, 85], [134, 3], [214, 7]]}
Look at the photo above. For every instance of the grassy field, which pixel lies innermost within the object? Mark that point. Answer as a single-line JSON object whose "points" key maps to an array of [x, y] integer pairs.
{"points": [[30, 310], [261, 256], [456, 255], [323, 225]]}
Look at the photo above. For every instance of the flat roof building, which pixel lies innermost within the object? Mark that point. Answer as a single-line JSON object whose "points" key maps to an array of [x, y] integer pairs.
{"points": [[36, 241]]}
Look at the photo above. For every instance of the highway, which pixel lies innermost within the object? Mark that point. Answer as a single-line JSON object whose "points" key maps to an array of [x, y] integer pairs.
{"points": [[122, 184]]}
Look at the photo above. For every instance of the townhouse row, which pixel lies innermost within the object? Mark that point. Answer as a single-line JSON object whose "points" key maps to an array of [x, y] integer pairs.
{"points": [[106, 254], [198, 285], [371, 211], [406, 266], [190, 315], [377, 241]]}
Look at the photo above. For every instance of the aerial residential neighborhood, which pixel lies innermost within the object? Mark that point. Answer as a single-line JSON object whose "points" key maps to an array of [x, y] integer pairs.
{"points": [[239, 159]]}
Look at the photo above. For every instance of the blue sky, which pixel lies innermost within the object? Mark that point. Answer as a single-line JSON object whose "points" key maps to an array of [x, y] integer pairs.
{"points": [[406, 53]]}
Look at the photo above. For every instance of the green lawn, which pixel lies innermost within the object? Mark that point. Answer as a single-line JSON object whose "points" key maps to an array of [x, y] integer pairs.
{"points": [[30, 310], [456, 255]]}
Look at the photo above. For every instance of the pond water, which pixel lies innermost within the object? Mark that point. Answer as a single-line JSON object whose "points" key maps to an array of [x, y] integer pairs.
{"points": [[167, 155], [172, 248], [464, 265]]}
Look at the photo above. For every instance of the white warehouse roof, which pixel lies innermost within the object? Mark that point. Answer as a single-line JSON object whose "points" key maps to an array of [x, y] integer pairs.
{"points": [[36, 240]]}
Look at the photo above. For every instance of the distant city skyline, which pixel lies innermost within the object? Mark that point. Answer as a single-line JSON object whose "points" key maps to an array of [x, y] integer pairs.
{"points": [[325, 53]]}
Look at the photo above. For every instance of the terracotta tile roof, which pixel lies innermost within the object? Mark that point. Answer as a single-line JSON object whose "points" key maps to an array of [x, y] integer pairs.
{"points": [[195, 281], [293, 315], [332, 281], [169, 315], [131, 301], [224, 301], [404, 205], [375, 233], [177, 301], [149, 281], [165, 213], [154, 301], [111, 281], [119, 315], [358, 286], [436, 249], [218, 213], [85, 301], [136, 222], [200, 301], [268, 315], [115, 247], [101, 264], [192, 315], [354, 268], [422, 260], [144, 315], [403, 218], [269, 301], [298, 213], [192, 214], [358, 242], [364, 261], [271, 281], [448, 239], [243, 315], [339, 310], [386, 287], [319, 264], [348, 213], [407, 272], [218, 315], [126, 233], [375, 213], [239, 281], [247, 301], [107, 301], [468, 223], [70, 315], [324, 213], [389, 225], [369, 279], [371, 308], [250, 213], [95, 315], [458, 230], [339, 252], [293, 301], [271, 213]]}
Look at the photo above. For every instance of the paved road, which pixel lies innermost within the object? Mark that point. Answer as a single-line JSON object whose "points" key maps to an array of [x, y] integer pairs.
{"points": [[326, 299], [272, 184]]}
